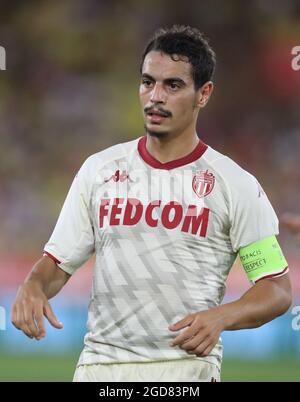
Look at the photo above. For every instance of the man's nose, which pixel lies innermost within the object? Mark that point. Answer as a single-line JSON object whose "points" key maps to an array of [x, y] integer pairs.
{"points": [[158, 94]]}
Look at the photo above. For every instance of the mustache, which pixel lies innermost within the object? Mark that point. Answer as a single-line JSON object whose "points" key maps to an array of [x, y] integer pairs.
{"points": [[154, 109]]}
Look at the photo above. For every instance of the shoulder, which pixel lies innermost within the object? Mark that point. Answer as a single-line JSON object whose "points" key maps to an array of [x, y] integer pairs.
{"points": [[100, 159], [236, 178], [113, 153]]}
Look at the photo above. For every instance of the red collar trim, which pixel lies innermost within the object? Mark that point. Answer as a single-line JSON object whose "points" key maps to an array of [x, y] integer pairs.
{"points": [[150, 160]]}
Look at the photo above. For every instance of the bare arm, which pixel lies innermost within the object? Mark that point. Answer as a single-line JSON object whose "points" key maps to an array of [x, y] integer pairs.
{"points": [[31, 305], [266, 300]]}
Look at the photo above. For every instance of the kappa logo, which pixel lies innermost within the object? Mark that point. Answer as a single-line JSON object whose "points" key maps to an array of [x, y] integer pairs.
{"points": [[203, 183], [119, 176], [261, 192]]}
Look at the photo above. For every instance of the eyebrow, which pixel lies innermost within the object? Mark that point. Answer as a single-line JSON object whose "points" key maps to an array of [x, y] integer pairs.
{"points": [[166, 80]]}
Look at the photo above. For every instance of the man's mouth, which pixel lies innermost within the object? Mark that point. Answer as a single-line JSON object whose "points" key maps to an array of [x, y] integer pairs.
{"points": [[156, 116]]}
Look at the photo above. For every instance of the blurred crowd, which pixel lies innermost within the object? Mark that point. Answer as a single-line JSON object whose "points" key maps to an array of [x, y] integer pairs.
{"points": [[71, 89]]}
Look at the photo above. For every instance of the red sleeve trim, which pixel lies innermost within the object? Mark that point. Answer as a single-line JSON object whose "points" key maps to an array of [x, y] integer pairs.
{"points": [[51, 256], [273, 275]]}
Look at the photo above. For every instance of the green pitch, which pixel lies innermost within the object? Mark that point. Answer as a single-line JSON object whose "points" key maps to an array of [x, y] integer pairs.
{"points": [[49, 368]]}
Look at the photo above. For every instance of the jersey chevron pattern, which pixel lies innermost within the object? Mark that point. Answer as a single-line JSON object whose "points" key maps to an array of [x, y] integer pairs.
{"points": [[165, 237]]}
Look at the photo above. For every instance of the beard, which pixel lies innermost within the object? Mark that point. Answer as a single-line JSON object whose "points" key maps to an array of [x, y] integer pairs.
{"points": [[157, 134]]}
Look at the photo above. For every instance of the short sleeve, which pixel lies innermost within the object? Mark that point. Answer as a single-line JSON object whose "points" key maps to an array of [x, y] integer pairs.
{"points": [[252, 215], [72, 240]]}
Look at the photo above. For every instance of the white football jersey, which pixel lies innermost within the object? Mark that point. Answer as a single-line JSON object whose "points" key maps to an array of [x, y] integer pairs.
{"points": [[165, 236]]}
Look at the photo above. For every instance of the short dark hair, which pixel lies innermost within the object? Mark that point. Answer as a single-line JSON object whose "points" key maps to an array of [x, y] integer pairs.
{"points": [[184, 40]]}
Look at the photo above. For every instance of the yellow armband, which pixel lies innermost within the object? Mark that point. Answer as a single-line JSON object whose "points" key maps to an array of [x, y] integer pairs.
{"points": [[262, 259]]}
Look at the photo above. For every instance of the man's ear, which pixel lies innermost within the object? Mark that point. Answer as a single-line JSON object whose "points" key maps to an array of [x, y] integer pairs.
{"points": [[204, 93]]}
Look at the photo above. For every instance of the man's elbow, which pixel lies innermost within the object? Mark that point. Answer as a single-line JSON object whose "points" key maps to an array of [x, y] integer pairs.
{"points": [[284, 292], [286, 302]]}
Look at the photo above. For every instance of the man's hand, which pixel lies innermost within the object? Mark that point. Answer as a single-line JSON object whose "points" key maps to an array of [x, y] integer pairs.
{"points": [[292, 222], [203, 333], [266, 300], [44, 281], [29, 309]]}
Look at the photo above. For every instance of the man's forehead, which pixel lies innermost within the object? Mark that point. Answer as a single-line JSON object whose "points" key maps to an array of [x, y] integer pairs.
{"points": [[161, 66]]}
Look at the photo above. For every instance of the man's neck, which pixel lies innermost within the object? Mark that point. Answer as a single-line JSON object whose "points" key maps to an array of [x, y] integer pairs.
{"points": [[168, 149]]}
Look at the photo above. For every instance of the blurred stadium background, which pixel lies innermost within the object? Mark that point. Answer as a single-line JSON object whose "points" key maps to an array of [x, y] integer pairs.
{"points": [[71, 89]]}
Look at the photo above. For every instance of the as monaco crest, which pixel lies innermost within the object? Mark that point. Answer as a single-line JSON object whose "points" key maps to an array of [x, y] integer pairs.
{"points": [[203, 183]]}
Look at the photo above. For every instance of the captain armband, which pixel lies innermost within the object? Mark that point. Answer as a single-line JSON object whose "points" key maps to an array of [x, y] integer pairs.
{"points": [[263, 259]]}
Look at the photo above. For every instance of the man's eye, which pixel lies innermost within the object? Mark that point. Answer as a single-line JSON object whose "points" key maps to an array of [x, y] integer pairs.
{"points": [[173, 85], [147, 83]]}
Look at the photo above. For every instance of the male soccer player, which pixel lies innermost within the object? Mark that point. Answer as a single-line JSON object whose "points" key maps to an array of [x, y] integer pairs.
{"points": [[167, 216]]}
